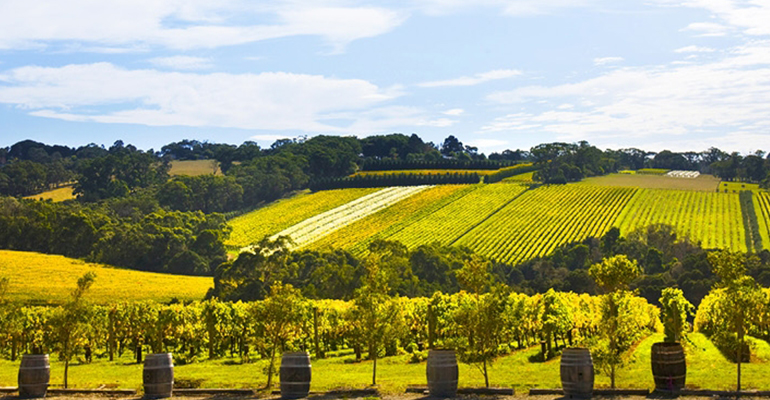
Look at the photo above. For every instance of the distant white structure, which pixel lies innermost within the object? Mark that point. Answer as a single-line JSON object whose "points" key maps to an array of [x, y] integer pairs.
{"points": [[683, 174]]}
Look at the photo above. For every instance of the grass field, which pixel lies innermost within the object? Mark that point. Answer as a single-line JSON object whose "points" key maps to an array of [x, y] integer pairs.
{"points": [[707, 369], [706, 183], [194, 168], [481, 172], [55, 195], [40, 278], [520, 178], [653, 171], [284, 213]]}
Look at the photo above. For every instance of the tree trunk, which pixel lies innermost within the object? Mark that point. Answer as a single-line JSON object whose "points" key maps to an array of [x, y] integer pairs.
{"points": [[374, 371], [66, 370], [138, 351], [740, 348], [486, 374], [272, 365], [316, 344]]}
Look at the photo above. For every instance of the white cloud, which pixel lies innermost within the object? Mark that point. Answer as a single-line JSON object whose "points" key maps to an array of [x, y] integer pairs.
{"points": [[105, 93], [126, 24], [474, 80], [607, 60], [182, 62], [727, 95], [489, 145], [454, 111], [706, 29], [694, 49], [750, 16], [508, 7]]}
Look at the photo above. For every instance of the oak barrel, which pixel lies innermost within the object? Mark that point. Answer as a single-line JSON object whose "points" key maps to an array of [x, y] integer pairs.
{"points": [[442, 373], [158, 375], [34, 374], [296, 372], [669, 368], [577, 372]]}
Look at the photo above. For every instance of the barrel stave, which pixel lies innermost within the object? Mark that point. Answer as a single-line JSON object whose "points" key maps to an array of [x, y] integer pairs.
{"points": [[296, 374], [34, 375], [158, 376], [442, 373], [577, 372]]}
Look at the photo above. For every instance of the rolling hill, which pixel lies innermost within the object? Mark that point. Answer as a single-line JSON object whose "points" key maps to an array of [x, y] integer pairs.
{"points": [[41, 278]]}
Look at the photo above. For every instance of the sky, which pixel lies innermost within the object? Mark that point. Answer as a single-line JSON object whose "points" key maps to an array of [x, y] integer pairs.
{"points": [[683, 75]]}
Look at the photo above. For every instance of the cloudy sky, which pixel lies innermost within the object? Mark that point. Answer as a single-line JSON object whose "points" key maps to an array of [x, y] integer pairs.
{"points": [[654, 74]]}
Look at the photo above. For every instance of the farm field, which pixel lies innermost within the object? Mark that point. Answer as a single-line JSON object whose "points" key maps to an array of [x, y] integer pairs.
{"points": [[707, 369], [42, 278], [325, 223], [481, 172], [284, 213], [714, 219], [194, 168], [360, 233], [521, 178], [539, 220], [451, 222], [706, 183], [55, 195], [737, 186]]}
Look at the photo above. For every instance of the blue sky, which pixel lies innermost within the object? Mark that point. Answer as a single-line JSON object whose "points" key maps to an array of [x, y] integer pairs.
{"points": [[655, 74]]}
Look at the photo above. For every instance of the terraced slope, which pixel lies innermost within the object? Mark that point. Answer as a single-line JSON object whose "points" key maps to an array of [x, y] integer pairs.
{"points": [[714, 219], [279, 215], [42, 278], [357, 236], [539, 220], [325, 223], [451, 222]]}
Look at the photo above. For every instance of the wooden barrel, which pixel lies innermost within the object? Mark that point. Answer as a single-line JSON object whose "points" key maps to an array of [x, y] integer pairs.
{"points": [[668, 366], [577, 372], [158, 375], [442, 373], [295, 375], [34, 374]]}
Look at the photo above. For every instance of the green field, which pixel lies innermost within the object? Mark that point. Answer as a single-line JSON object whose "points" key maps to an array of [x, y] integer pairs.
{"points": [[707, 368], [539, 220], [731, 187], [194, 168], [40, 278], [714, 219]]}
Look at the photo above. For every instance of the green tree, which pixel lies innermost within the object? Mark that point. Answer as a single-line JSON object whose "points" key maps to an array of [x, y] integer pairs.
{"points": [[674, 310], [72, 322], [281, 314], [613, 275], [742, 296]]}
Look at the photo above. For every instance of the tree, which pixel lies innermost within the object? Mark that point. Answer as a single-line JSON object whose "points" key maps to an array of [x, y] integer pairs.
{"points": [[742, 296], [613, 275], [374, 309], [281, 314], [674, 310], [72, 322]]}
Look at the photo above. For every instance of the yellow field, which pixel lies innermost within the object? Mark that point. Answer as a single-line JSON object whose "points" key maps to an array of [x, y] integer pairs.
{"points": [[194, 168], [729, 187], [279, 215], [56, 195], [520, 178], [361, 232], [40, 278]]}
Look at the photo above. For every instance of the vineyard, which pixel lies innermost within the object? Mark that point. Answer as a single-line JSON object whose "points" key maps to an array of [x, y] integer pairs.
{"points": [[454, 220], [714, 219], [42, 278], [322, 224], [539, 220], [277, 216]]}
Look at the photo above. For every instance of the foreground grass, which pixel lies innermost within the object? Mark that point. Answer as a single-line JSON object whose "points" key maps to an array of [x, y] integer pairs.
{"points": [[42, 278], [707, 369]]}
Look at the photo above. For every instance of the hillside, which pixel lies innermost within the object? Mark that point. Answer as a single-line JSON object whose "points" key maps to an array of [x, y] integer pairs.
{"points": [[40, 278], [512, 222]]}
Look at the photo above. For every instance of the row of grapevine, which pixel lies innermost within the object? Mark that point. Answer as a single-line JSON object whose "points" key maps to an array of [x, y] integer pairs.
{"points": [[714, 219], [540, 220], [761, 201], [451, 222], [322, 224], [389, 165], [212, 329], [253, 226], [362, 230]]}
